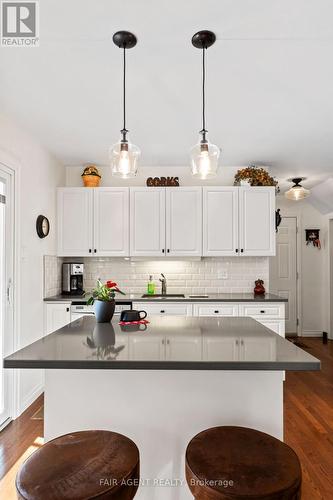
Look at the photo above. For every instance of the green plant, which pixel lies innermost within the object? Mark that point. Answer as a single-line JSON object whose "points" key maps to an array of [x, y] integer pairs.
{"points": [[104, 291]]}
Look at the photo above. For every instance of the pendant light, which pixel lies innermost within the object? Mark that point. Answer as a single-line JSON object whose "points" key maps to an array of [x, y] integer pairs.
{"points": [[124, 155], [297, 192], [204, 155]]}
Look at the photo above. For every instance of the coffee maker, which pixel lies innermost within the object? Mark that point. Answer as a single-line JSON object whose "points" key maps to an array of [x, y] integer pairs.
{"points": [[72, 278]]}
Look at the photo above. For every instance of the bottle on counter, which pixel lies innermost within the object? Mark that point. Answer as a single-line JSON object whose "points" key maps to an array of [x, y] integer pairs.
{"points": [[151, 286]]}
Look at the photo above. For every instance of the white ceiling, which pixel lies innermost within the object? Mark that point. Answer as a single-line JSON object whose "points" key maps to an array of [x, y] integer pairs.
{"points": [[270, 81]]}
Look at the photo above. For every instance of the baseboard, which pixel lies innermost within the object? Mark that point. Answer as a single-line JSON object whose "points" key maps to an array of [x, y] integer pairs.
{"points": [[312, 333], [30, 398]]}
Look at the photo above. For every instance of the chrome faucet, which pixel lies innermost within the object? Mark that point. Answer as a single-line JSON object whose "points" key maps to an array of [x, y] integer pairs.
{"points": [[164, 285]]}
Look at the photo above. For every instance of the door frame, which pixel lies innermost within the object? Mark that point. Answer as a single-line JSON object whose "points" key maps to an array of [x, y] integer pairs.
{"points": [[12, 165], [299, 326]]}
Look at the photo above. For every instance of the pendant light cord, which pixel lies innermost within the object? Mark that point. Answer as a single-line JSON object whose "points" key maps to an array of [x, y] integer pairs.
{"points": [[203, 131], [124, 130]]}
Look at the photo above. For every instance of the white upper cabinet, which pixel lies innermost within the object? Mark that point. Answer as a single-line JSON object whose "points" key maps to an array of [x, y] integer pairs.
{"points": [[111, 221], [257, 221], [238, 221], [93, 222], [184, 221], [75, 222], [147, 222], [220, 213]]}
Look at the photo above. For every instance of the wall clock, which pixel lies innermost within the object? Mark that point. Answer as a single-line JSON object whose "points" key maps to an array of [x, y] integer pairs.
{"points": [[42, 226]]}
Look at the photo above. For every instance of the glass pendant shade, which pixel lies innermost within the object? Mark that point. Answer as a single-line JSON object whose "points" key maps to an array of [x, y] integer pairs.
{"points": [[297, 192], [204, 160], [124, 158]]}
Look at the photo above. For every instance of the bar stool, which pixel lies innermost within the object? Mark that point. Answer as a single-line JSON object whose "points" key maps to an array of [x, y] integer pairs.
{"points": [[236, 463], [81, 465]]}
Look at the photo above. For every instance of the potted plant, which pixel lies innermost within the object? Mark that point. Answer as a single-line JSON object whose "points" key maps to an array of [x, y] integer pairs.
{"points": [[91, 176], [103, 299], [255, 176]]}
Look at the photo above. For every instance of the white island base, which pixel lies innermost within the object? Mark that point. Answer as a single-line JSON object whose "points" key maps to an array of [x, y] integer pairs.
{"points": [[161, 410]]}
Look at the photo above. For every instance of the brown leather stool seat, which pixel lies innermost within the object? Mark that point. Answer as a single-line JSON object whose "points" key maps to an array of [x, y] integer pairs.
{"points": [[81, 466], [236, 463]]}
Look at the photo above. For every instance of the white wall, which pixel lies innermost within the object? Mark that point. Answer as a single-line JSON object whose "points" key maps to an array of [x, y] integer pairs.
{"points": [[313, 266], [39, 174]]}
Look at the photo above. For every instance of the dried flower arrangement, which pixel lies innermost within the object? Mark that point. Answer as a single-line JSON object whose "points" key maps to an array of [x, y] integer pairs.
{"points": [[256, 176], [91, 176]]}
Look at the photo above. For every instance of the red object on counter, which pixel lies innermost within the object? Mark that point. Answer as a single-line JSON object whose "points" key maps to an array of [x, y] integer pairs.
{"points": [[259, 289], [141, 322]]}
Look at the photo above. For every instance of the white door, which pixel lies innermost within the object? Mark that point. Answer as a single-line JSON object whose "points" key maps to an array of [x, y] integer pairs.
{"points": [[164, 309], [257, 221], [283, 270], [57, 316], [111, 221], [258, 349], [220, 221], [147, 222], [6, 291], [75, 218], [184, 221]]}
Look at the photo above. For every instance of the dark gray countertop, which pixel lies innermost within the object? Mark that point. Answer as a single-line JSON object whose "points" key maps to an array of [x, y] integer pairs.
{"points": [[216, 297], [167, 343]]}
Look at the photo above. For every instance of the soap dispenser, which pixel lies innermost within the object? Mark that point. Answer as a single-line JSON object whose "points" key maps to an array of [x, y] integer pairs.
{"points": [[151, 286]]}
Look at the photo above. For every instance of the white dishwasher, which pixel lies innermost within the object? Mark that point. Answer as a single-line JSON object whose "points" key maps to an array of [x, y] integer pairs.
{"points": [[78, 309]]}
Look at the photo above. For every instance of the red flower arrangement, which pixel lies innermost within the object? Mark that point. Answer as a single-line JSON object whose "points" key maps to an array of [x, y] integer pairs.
{"points": [[105, 292]]}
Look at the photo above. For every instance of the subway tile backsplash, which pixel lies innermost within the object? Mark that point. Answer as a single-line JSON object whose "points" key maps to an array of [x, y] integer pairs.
{"points": [[209, 275], [52, 275]]}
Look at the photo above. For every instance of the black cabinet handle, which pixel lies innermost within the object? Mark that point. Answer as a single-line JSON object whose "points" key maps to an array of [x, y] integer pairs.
{"points": [[242, 250], [236, 250], [262, 312], [67, 309], [216, 312], [168, 251], [163, 250], [89, 250], [163, 311], [95, 251]]}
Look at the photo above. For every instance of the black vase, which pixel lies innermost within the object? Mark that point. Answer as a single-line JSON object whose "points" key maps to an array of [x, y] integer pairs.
{"points": [[104, 310]]}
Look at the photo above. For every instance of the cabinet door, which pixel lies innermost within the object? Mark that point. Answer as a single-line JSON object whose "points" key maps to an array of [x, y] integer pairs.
{"points": [[278, 325], [184, 221], [164, 309], [57, 316], [111, 221], [260, 349], [217, 309], [220, 221], [221, 348], [75, 214], [257, 221], [183, 348], [147, 348], [147, 222]]}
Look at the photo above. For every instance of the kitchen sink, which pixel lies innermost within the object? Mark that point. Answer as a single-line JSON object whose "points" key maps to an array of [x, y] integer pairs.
{"points": [[166, 296]]}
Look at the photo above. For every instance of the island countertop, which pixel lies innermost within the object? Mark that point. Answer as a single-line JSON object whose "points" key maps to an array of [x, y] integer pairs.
{"points": [[213, 297], [165, 343]]}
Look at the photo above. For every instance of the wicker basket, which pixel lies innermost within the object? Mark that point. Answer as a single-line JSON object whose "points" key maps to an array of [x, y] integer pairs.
{"points": [[91, 180]]}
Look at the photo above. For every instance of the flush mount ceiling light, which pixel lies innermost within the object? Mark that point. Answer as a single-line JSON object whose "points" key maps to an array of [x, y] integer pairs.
{"points": [[124, 156], [204, 155], [297, 192]]}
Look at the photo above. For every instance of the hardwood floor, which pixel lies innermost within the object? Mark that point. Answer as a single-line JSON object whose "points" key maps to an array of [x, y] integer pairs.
{"points": [[17, 441], [308, 429], [308, 412]]}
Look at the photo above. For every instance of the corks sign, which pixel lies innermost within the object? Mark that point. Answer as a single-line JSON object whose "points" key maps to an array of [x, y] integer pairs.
{"points": [[162, 181]]}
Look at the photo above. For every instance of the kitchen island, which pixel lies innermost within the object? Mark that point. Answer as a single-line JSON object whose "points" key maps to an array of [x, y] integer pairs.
{"points": [[162, 383]]}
